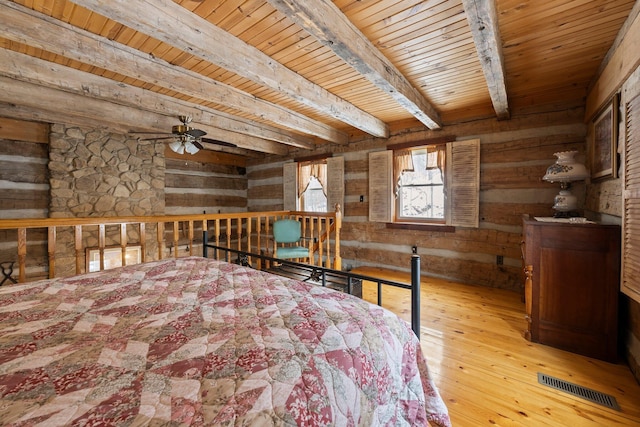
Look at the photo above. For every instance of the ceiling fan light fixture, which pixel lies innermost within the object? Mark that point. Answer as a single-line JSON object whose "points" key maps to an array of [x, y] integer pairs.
{"points": [[177, 147], [190, 148]]}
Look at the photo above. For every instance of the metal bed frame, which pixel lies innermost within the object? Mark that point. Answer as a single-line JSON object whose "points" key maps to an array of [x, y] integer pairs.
{"points": [[326, 276]]}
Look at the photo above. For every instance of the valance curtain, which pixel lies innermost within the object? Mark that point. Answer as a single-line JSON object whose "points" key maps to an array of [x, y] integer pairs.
{"points": [[317, 170], [436, 158], [402, 162]]}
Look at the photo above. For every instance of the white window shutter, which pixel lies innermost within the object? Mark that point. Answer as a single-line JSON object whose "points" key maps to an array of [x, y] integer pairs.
{"points": [[290, 186], [463, 183], [380, 186], [335, 183]]}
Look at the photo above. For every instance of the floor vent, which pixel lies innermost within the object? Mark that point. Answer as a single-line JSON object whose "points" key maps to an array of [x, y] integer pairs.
{"points": [[579, 391]]}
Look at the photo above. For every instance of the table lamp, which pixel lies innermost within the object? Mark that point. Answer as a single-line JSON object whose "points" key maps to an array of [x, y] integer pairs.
{"points": [[565, 171]]}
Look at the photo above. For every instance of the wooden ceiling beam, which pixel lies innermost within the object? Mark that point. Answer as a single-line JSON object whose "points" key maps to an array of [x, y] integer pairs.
{"points": [[27, 68], [77, 106], [74, 43], [178, 27], [326, 22], [483, 20]]}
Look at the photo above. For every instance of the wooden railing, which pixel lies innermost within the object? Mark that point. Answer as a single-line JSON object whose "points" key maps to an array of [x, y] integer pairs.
{"points": [[42, 246]]}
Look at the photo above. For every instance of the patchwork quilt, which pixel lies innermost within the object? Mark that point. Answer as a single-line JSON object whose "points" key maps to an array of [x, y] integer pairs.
{"points": [[195, 342]]}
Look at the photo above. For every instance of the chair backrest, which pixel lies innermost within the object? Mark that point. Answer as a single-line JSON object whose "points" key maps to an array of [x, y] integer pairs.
{"points": [[287, 231]]}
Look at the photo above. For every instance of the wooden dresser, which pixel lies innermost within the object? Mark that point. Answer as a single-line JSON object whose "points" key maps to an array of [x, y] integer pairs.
{"points": [[572, 286]]}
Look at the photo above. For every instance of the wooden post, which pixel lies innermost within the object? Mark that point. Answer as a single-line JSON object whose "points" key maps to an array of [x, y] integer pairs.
{"points": [[337, 263]]}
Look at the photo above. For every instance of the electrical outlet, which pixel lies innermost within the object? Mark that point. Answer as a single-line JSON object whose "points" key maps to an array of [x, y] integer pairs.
{"points": [[499, 259]]}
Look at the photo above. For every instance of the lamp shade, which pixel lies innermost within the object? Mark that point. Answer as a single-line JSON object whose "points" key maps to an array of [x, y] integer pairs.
{"points": [[176, 147], [190, 147], [566, 168]]}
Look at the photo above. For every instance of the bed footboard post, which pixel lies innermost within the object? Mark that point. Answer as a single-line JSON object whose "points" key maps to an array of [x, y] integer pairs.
{"points": [[415, 294], [205, 242]]}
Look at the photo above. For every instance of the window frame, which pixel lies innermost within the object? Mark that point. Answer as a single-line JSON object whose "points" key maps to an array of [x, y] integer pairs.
{"points": [[397, 218], [462, 185], [334, 182]]}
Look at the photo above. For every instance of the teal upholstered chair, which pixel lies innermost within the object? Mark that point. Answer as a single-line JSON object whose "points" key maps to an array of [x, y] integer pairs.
{"points": [[289, 232]]}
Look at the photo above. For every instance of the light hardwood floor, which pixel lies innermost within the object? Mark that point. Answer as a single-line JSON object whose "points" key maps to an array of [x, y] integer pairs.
{"points": [[487, 372]]}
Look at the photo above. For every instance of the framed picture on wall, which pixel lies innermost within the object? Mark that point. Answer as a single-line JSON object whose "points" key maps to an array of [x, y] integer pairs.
{"points": [[604, 148]]}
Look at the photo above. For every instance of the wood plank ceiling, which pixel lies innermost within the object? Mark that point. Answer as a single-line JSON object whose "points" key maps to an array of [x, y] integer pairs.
{"points": [[269, 75]]}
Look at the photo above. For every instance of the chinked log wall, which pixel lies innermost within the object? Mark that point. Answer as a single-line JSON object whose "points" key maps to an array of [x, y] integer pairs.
{"points": [[24, 175], [514, 156], [36, 241]]}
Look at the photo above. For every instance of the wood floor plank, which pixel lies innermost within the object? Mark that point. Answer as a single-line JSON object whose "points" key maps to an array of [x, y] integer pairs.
{"points": [[486, 371]]}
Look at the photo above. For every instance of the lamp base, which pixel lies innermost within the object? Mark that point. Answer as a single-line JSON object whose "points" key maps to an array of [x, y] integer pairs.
{"points": [[565, 201]]}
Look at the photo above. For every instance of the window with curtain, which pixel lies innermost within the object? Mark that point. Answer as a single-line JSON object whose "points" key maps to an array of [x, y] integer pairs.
{"points": [[312, 184], [420, 186], [433, 184]]}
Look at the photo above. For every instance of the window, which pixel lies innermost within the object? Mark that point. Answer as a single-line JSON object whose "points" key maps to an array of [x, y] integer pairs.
{"points": [[313, 198], [314, 186], [112, 257], [312, 181], [436, 184], [420, 192]]}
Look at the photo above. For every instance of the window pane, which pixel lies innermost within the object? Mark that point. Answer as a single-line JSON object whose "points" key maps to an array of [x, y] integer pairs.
{"points": [[423, 201], [421, 192], [313, 199]]}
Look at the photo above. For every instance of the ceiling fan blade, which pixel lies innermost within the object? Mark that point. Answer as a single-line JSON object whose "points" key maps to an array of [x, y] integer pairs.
{"points": [[163, 138], [131, 132], [216, 142], [197, 144], [196, 133]]}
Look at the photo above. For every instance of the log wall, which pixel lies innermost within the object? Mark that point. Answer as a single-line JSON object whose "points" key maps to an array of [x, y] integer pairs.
{"points": [[24, 176], [514, 157], [194, 187]]}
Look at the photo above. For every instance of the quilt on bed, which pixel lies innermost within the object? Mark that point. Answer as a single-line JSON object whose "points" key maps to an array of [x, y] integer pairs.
{"points": [[195, 341]]}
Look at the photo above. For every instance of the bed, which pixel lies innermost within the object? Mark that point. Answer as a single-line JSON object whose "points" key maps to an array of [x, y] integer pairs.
{"points": [[195, 341]]}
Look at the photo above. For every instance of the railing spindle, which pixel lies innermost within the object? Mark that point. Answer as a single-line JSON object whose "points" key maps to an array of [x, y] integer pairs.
{"points": [[22, 253], [101, 244], [160, 239], [78, 248], [51, 250], [143, 242], [176, 238], [123, 243]]}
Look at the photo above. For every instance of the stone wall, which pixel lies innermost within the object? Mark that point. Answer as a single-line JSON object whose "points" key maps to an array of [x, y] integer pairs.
{"points": [[94, 173]]}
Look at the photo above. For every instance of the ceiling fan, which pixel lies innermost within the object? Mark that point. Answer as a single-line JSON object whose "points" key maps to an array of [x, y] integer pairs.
{"points": [[186, 138]]}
